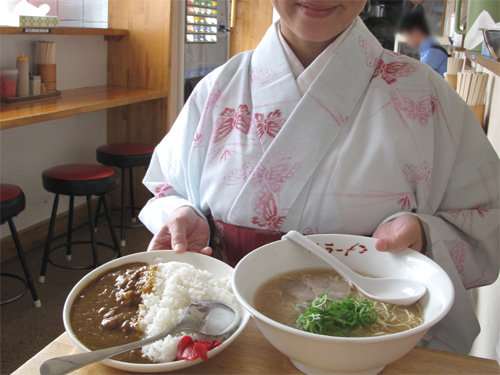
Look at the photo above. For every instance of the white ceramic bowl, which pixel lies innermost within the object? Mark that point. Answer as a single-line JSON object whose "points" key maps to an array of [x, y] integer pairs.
{"points": [[216, 267], [316, 354]]}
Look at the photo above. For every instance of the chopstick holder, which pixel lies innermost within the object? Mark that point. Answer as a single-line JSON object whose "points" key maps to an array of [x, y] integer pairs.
{"points": [[49, 76], [478, 111], [451, 79]]}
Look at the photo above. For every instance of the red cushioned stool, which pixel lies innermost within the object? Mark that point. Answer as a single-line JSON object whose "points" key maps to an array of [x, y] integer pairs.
{"points": [[79, 180], [125, 156], [12, 202]]}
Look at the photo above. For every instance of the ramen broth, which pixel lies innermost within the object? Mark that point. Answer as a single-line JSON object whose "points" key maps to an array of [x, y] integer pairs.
{"points": [[285, 297]]}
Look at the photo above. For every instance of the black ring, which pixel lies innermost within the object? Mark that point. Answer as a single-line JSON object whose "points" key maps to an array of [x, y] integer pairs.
{"points": [[25, 283], [80, 243]]}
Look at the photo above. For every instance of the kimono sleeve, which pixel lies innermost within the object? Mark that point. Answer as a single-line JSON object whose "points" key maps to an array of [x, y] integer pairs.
{"points": [[168, 176], [463, 233], [465, 227]]}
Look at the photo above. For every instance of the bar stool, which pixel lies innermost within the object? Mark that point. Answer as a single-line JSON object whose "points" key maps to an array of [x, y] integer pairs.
{"points": [[12, 202], [78, 180], [125, 156]]}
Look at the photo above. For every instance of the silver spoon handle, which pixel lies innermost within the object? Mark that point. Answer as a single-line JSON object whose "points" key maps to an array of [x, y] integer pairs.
{"points": [[69, 363]]}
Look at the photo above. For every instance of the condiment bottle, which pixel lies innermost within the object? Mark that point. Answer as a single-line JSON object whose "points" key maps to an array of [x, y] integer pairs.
{"points": [[8, 83], [23, 84], [35, 85]]}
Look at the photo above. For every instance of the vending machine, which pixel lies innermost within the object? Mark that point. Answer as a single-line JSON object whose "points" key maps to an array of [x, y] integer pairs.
{"points": [[200, 44]]}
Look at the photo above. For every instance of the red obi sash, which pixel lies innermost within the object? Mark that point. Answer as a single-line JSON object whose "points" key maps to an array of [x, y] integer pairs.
{"points": [[230, 243]]}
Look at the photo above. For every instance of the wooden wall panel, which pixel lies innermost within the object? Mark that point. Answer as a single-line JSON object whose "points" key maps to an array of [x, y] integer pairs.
{"points": [[141, 59], [253, 18]]}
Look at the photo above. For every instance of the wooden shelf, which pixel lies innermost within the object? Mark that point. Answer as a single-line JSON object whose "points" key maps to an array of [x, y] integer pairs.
{"points": [[73, 102], [62, 31], [490, 64]]}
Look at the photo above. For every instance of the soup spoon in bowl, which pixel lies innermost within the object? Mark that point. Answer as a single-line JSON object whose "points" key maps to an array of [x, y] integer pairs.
{"points": [[209, 318], [389, 290]]}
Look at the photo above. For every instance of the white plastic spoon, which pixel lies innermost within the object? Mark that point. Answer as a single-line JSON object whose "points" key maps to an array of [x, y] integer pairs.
{"points": [[396, 291]]}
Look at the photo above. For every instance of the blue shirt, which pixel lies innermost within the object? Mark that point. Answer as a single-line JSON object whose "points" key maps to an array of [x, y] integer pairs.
{"points": [[433, 57]]}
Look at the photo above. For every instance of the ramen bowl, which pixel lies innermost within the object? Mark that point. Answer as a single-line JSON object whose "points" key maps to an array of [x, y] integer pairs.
{"points": [[203, 262], [317, 354]]}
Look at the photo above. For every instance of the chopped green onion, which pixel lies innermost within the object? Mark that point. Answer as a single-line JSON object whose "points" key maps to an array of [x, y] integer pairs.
{"points": [[337, 318]]}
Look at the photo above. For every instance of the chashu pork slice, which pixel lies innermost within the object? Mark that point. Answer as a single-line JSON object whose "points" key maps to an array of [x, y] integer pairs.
{"points": [[320, 285]]}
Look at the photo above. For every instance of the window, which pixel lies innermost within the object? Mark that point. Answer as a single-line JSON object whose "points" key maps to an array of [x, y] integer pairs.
{"points": [[71, 13]]}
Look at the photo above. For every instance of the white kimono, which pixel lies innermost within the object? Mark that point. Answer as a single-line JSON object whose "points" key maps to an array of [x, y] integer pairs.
{"points": [[376, 135]]}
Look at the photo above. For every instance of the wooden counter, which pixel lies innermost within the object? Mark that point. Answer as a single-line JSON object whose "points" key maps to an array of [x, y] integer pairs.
{"points": [[251, 353], [73, 102]]}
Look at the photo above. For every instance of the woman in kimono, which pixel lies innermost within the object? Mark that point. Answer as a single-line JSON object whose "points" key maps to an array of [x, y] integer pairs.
{"points": [[321, 130]]}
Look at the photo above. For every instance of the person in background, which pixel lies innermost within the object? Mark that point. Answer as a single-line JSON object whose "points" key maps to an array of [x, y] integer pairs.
{"points": [[415, 30]]}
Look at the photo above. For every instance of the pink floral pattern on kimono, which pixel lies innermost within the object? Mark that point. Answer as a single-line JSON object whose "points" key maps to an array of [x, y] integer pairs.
{"points": [[261, 75], [406, 201], [421, 110], [239, 175], [418, 174], [232, 119], [269, 183], [392, 71], [275, 176], [198, 140], [464, 217], [266, 209], [163, 190], [309, 230], [270, 125], [458, 253], [371, 57]]}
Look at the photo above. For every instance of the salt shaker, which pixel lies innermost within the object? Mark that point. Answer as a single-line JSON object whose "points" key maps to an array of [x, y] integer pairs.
{"points": [[35, 85]]}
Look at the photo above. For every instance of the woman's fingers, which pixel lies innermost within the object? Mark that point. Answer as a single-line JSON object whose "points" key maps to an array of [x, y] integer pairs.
{"points": [[184, 231], [397, 242], [404, 232], [206, 251], [161, 240], [178, 229]]}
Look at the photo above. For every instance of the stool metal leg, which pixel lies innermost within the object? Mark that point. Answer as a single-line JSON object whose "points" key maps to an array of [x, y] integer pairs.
{"points": [[27, 273], [46, 252], [132, 200], [70, 226], [122, 212], [97, 212], [92, 231], [111, 228]]}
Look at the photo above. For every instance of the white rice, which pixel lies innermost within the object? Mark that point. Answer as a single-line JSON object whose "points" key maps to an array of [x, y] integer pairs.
{"points": [[176, 286]]}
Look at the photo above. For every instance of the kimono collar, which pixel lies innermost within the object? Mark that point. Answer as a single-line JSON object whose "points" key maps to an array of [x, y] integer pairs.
{"points": [[317, 65], [355, 57]]}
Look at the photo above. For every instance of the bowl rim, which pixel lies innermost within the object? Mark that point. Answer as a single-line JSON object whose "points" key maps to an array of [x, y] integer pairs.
{"points": [[335, 339], [138, 367]]}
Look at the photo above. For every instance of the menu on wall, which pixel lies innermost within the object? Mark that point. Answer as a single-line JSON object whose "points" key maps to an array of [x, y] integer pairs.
{"points": [[201, 21]]}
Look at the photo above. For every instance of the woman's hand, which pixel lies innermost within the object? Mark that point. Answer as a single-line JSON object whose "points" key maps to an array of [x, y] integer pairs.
{"points": [[404, 232], [184, 231]]}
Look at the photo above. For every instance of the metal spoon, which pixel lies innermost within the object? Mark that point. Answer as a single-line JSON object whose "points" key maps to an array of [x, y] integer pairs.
{"points": [[206, 317], [396, 291]]}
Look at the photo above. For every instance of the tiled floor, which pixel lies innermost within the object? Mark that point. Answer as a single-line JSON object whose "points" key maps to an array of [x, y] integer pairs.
{"points": [[25, 330]]}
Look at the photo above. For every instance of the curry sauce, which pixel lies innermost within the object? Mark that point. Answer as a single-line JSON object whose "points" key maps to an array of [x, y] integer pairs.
{"points": [[106, 312]]}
